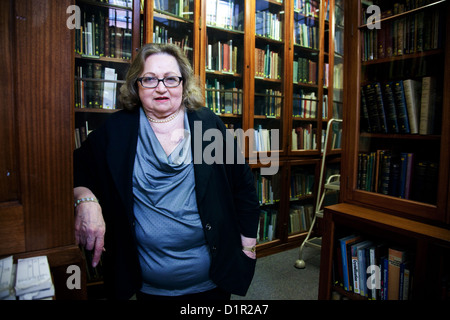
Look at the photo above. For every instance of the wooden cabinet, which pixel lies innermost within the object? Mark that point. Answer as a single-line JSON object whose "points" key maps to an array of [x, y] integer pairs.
{"points": [[395, 163], [36, 198], [428, 248], [381, 129]]}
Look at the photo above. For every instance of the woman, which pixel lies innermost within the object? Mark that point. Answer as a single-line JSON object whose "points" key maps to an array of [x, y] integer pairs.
{"points": [[169, 226]]}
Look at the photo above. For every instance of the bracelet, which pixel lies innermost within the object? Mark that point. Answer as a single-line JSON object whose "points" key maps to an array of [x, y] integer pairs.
{"points": [[92, 199], [249, 249]]}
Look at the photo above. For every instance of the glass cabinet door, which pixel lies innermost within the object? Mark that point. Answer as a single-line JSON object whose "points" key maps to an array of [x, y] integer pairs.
{"points": [[401, 75], [173, 22], [306, 80], [224, 60], [268, 78], [103, 52]]}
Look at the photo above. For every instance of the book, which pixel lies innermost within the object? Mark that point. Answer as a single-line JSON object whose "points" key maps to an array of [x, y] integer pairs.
{"points": [[380, 107], [400, 106], [372, 110], [427, 105], [405, 280], [109, 89], [413, 90], [376, 252], [396, 257], [391, 112], [358, 266], [343, 242]]}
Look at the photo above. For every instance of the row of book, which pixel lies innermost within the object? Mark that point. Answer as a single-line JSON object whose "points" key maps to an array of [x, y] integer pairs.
{"points": [[268, 63], [262, 139], [269, 25], [227, 14], [306, 34], [300, 217], [105, 33], [305, 71], [95, 87], [267, 188], [304, 136], [399, 175], [412, 33], [161, 35], [222, 56], [28, 279], [180, 8], [373, 269], [302, 184], [307, 7], [268, 103], [403, 106], [223, 98], [339, 41], [305, 105], [267, 225]]}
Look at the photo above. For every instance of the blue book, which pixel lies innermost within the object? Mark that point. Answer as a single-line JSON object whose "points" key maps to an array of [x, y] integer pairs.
{"points": [[345, 266]]}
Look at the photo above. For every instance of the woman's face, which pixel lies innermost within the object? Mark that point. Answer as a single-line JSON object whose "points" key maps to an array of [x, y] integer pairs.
{"points": [[161, 102]]}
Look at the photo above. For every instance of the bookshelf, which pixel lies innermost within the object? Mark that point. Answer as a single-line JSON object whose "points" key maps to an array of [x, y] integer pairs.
{"points": [[395, 175], [224, 60], [426, 247], [104, 47]]}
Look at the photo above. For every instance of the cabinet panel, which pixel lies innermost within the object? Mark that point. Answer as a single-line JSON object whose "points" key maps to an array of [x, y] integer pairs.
{"points": [[44, 121], [9, 176]]}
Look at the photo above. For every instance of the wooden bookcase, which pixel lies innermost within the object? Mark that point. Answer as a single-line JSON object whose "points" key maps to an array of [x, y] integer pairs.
{"points": [[429, 245], [36, 187], [377, 203], [249, 99]]}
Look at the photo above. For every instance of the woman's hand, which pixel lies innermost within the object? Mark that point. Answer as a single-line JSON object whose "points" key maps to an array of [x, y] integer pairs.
{"points": [[89, 224]]}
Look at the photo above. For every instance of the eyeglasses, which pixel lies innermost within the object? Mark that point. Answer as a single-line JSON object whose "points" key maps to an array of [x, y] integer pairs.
{"points": [[153, 82]]}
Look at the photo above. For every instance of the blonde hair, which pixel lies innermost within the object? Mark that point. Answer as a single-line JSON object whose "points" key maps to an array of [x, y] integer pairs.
{"points": [[192, 94]]}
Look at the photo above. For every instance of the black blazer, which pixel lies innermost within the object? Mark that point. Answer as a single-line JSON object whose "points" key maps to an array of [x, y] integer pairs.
{"points": [[226, 200]]}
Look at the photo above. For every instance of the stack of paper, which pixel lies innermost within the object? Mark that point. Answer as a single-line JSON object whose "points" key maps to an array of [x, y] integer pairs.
{"points": [[7, 279], [33, 279]]}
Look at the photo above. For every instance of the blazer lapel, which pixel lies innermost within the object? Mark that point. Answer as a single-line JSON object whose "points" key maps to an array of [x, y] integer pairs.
{"points": [[198, 124]]}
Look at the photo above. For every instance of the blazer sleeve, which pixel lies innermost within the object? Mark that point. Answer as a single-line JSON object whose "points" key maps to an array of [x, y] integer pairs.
{"points": [[85, 160]]}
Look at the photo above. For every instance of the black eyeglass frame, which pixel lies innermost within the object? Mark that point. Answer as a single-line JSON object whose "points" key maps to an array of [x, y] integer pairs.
{"points": [[160, 80]]}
